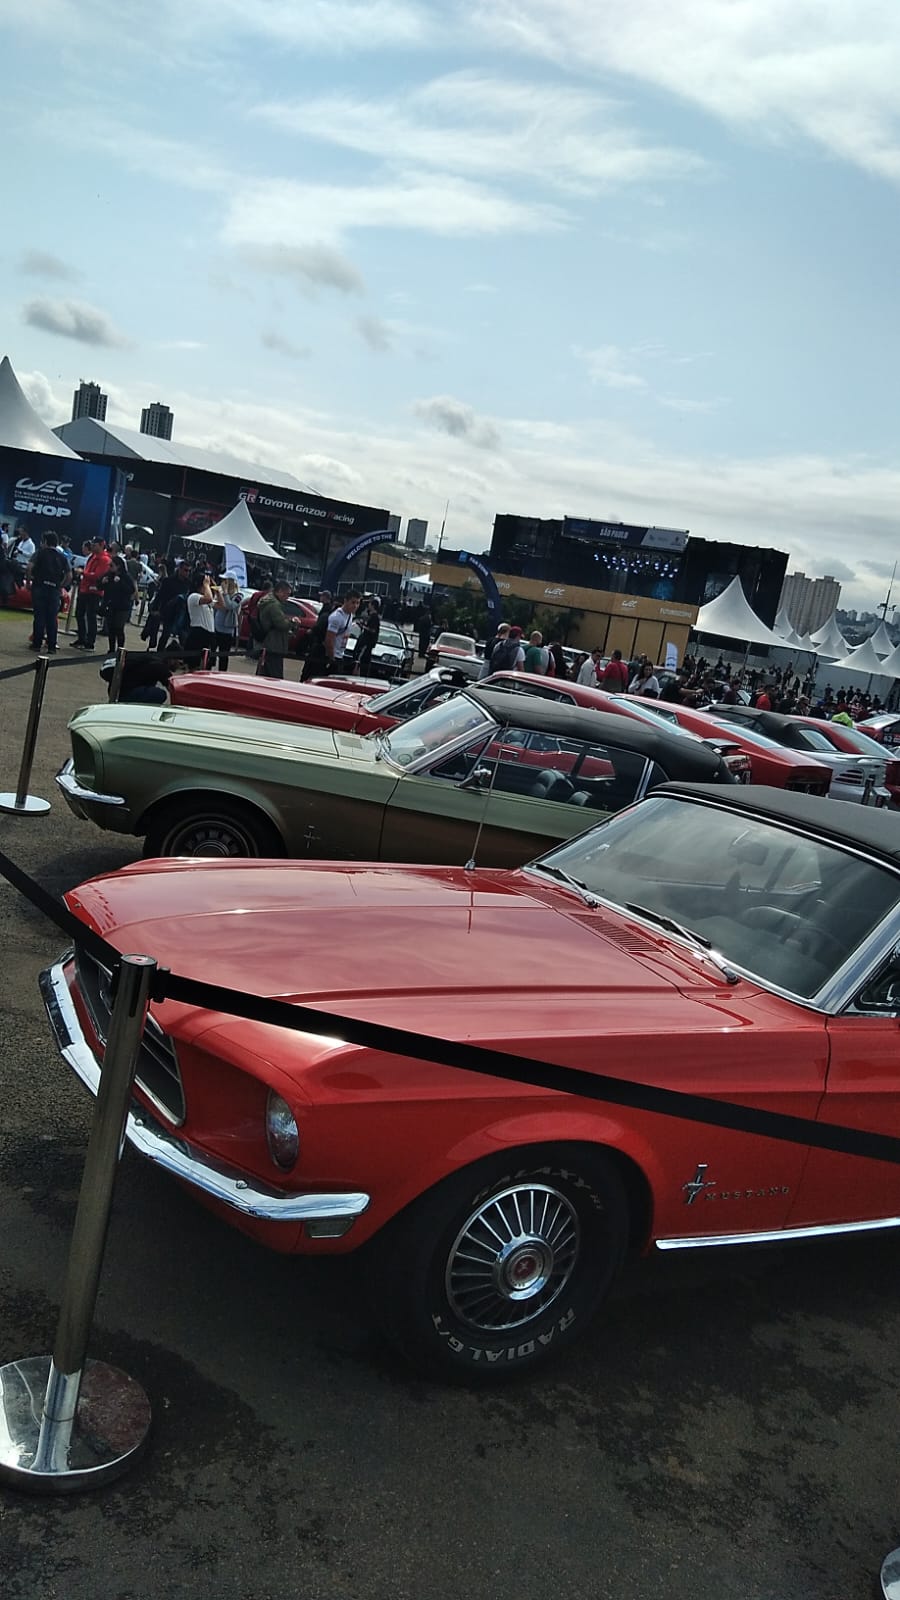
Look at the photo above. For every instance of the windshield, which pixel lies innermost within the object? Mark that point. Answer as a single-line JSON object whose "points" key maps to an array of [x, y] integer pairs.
{"points": [[786, 907], [457, 641], [388, 634], [435, 728]]}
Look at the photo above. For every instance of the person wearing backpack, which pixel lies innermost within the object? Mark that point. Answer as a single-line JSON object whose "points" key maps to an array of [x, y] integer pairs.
{"points": [[316, 663], [508, 654], [48, 570]]}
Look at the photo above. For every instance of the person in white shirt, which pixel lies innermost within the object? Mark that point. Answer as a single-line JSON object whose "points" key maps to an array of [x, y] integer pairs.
{"points": [[201, 630], [22, 552], [645, 682], [588, 672], [338, 631]]}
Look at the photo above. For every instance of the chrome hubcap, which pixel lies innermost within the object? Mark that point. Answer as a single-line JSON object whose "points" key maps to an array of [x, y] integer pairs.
{"points": [[512, 1257], [211, 839]]}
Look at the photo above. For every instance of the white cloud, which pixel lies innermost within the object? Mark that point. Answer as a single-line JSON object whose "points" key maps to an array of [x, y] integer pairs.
{"points": [[39, 392], [73, 319], [822, 69], [610, 366], [338, 26], [475, 125], [288, 215]]}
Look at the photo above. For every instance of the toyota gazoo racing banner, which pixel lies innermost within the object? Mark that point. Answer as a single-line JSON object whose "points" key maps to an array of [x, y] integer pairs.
{"points": [[76, 499]]}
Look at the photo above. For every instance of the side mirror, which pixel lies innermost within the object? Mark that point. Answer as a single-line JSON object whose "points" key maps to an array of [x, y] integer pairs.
{"points": [[477, 778]]}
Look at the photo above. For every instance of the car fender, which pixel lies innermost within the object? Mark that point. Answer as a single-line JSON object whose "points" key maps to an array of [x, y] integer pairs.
{"points": [[607, 1134], [189, 788]]}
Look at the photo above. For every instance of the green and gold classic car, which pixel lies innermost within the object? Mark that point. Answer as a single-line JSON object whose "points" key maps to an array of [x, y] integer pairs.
{"points": [[507, 773]]}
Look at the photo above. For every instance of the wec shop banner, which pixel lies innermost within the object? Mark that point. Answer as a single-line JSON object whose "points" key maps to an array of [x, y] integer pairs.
{"points": [[78, 500]]}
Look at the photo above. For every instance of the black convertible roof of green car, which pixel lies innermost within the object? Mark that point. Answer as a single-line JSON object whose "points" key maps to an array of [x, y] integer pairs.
{"points": [[873, 829], [687, 759]]}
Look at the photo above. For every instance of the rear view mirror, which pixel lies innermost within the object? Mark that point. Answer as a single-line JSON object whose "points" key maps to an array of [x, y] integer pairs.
{"points": [[477, 779]]}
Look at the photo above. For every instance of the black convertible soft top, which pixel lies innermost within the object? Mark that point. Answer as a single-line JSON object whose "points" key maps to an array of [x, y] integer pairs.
{"points": [[873, 829], [685, 759]]}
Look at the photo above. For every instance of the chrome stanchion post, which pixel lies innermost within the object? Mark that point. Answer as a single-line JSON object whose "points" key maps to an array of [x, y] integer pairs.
{"points": [[23, 804], [204, 661], [115, 687], [67, 1424]]}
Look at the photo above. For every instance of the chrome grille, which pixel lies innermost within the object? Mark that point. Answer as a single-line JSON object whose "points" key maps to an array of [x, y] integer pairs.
{"points": [[158, 1073]]}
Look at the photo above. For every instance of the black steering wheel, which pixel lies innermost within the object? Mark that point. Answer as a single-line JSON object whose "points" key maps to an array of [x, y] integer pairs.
{"points": [[796, 930]]}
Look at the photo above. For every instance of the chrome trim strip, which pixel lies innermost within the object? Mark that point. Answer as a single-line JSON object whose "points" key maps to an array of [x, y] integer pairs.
{"points": [[69, 784], [818, 1230], [248, 1196]]}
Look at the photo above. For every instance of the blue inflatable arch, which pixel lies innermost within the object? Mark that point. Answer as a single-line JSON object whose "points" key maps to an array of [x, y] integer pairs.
{"points": [[464, 558]]}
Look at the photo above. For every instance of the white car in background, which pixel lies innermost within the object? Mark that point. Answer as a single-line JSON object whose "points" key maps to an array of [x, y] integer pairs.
{"points": [[455, 650]]}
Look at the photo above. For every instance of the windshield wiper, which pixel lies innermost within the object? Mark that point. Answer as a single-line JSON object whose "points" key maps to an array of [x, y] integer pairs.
{"points": [[581, 889], [692, 937]]}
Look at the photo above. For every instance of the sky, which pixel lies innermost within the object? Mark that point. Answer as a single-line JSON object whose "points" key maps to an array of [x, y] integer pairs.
{"points": [[635, 260]]}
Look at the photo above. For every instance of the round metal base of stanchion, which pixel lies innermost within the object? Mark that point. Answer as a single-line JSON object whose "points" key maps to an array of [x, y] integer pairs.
{"points": [[31, 806], [890, 1576], [109, 1432]]}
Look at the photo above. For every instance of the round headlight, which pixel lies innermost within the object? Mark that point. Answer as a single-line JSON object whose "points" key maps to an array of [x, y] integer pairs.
{"points": [[282, 1135]]}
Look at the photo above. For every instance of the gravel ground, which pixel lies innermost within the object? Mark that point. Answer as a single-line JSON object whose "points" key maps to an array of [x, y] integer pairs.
{"points": [[728, 1429]]}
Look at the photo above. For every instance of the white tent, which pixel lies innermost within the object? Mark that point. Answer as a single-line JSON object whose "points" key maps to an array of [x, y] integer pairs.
{"points": [[784, 626], [891, 666], [238, 528], [829, 641], [862, 659], [881, 641], [731, 617], [20, 426]]}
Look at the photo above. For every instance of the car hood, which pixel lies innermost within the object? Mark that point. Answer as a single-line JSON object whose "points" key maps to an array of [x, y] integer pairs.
{"points": [[187, 687], [402, 945], [223, 729]]}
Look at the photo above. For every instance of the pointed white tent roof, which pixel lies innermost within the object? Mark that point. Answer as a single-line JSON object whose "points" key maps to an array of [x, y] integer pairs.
{"points": [[20, 426], [829, 641], [238, 528], [881, 641], [731, 616], [862, 659], [890, 668], [784, 626]]}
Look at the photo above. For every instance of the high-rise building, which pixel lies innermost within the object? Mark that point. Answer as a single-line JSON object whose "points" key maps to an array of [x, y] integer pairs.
{"points": [[157, 420], [809, 602], [416, 533], [89, 401]]}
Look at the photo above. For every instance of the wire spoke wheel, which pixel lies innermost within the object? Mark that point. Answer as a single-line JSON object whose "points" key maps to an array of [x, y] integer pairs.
{"points": [[512, 1257]]}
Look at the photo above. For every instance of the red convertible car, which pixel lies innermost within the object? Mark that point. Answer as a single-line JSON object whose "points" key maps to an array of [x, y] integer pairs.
{"points": [[351, 705], [770, 763], [734, 942]]}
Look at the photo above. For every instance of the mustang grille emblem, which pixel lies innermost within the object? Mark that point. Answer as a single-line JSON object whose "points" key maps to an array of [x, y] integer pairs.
{"points": [[697, 1184]]}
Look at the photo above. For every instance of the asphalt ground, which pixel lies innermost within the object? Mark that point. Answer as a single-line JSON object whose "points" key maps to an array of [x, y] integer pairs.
{"points": [[728, 1427]]}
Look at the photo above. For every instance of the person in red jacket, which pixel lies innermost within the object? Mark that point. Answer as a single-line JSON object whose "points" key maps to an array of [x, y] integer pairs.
{"points": [[89, 593], [762, 701], [614, 677]]}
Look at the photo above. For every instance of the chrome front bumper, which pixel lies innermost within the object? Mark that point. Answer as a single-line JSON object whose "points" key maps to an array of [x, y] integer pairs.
{"points": [[74, 792], [334, 1213]]}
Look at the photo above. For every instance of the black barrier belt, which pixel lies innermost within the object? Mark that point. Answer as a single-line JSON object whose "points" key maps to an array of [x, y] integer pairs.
{"points": [[56, 912], [469, 1057], [29, 666]]}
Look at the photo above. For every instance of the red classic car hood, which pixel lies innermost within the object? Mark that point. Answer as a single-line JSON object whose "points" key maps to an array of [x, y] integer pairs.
{"points": [[194, 689], [400, 944]]}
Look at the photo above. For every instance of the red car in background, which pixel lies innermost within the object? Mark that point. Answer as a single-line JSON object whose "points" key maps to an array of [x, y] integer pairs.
{"points": [[772, 764], [302, 613], [20, 599], [349, 705]]}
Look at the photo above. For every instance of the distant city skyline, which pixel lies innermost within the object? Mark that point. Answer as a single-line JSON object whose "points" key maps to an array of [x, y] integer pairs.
{"points": [[626, 262]]}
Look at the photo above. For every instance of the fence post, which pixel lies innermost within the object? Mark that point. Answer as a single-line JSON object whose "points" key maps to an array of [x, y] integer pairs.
{"points": [[23, 804], [115, 684], [94, 1419]]}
